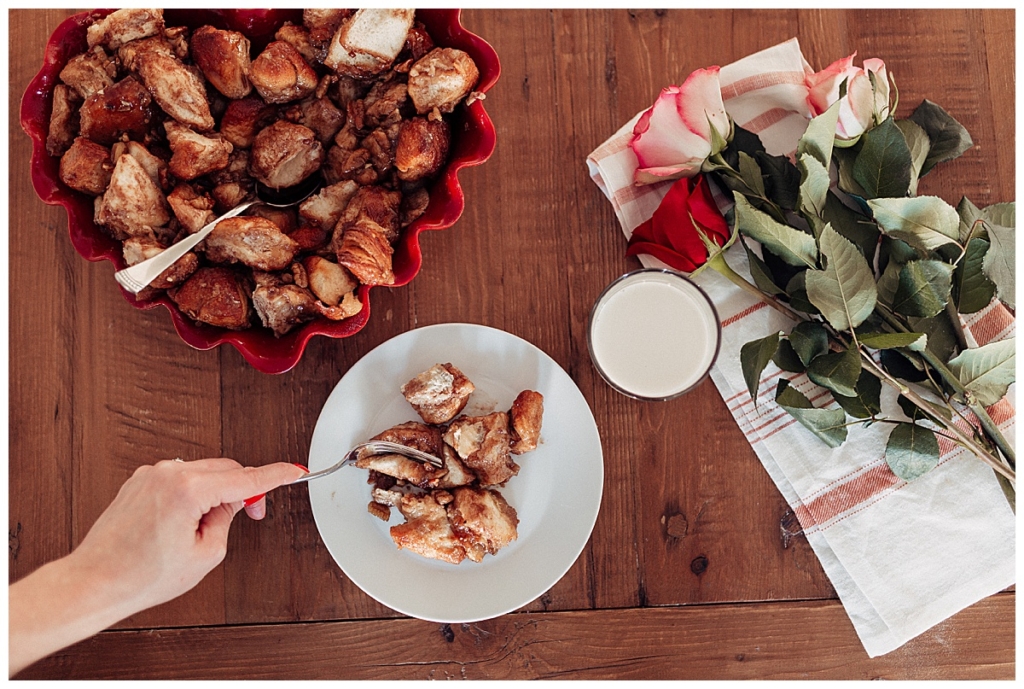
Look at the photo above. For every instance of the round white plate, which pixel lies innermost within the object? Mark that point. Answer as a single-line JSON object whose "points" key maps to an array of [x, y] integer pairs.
{"points": [[556, 494]]}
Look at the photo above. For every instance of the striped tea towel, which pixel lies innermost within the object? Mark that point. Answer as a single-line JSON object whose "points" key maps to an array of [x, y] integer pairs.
{"points": [[901, 556]]}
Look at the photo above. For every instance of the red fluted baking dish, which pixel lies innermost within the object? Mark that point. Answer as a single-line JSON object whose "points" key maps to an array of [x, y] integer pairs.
{"points": [[473, 141]]}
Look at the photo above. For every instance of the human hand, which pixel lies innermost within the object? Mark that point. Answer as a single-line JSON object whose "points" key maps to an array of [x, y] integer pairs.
{"points": [[168, 526]]}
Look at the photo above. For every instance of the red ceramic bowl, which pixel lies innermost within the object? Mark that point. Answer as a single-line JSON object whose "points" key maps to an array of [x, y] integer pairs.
{"points": [[472, 145]]}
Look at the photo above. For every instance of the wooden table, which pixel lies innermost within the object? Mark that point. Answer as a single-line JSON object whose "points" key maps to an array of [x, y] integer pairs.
{"points": [[689, 572]]}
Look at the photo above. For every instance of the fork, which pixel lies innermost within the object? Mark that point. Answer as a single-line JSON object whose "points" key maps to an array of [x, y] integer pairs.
{"points": [[374, 447]]}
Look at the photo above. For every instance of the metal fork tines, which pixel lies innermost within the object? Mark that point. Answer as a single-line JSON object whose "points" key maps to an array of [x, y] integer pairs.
{"points": [[374, 447]]}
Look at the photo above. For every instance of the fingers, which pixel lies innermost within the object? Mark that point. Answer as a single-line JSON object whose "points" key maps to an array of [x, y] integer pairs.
{"points": [[236, 485], [257, 510]]}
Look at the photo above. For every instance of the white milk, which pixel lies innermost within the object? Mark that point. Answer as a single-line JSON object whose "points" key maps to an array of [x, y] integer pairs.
{"points": [[653, 334]]}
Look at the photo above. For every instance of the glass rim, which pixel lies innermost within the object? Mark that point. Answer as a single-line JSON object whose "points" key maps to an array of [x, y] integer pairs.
{"points": [[632, 275]]}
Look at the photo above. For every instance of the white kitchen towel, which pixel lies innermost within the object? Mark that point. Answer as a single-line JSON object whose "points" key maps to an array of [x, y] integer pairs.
{"points": [[901, 556]]}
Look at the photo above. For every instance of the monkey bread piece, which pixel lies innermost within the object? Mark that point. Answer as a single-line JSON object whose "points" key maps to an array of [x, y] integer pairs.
{"points": [[483, 521], [244, 118], [325, 208], [439, 393], [217, 296], [251, 240], [121, 26], [223, 57], [284, 154], [124, 108], [140, 248], [281, 75], [154, 166], [329, 281], [193, 210], [427, 530], [195, 154], [440, 79], [366, 252], [322, 24], [310, 238], [525, 421], [178, 90], [482, 444], [64, 120], [89, 72], [416, 435], [323, 117], [132, 202], [128, 54], [412, 472], [282, 306], [298, 38], [422, 148], [369, 41], [456, 473], [87, 167], [374, 203]]}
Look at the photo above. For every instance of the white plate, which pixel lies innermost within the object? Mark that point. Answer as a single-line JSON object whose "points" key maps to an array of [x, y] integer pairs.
{"points": [[556, 494]]}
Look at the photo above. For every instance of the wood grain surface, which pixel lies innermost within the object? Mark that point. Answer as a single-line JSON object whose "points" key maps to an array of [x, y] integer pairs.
{"points": [[688, 573]]}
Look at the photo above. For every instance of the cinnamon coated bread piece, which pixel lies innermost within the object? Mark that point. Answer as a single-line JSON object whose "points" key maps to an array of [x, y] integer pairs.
{"points": [[439, 393]]}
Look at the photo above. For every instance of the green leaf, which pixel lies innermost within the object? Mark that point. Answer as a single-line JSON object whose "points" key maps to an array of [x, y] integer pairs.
{"points": [[1000, 263], [987, 371], [888, 283], [867, 402], [828, 424], [761, 273], [972, 290], [790, 244], [787, 359], [837, 371], [911, 451], [932, 412], [919, 145], [969, 215], [845, 158], [819, 136], [892, 340], [1001, 214], [782, 183], [845, 290], [883, 165], [814, 183], [751, 173], [809, 340], [858, 228], [754, 356], [942, 336], [923, 288], [948, 137], [900, 365], [924, 222], [796, 288]]}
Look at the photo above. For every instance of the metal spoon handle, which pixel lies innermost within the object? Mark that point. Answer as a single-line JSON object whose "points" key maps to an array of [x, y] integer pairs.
{"points": [[137, 277]]}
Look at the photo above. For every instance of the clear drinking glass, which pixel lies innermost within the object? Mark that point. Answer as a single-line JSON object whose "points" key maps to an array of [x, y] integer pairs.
{"points": [[653, 334]]}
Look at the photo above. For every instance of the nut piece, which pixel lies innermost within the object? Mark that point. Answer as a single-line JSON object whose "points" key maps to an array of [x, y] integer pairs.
{"points": [[525, 420], [280, 74], [176, 88], [195, 154], [124, 108], [369, 41], [223, 56], [439, 393], [422, 148], [252, 240], [132, 203], [122, 26], [215, 295], [482, 444], [284, 154], [441, 79], [86, 167]]}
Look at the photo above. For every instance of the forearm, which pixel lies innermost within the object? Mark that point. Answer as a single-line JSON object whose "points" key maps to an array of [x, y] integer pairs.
{"points": [[59, 604]]}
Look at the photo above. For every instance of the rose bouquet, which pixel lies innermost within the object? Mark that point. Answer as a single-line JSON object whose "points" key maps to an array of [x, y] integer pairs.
{"points": [[874, 277]]}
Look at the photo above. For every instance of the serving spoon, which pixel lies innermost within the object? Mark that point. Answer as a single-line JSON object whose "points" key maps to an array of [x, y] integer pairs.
{"points": [[137, 277]]}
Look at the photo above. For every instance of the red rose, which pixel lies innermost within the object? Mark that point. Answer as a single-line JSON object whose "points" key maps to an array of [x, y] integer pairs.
{"points": [[671, 233]]}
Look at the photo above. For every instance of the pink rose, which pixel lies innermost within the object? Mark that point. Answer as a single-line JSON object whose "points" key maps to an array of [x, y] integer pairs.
{"points": [[865, 104], [673, 138]]}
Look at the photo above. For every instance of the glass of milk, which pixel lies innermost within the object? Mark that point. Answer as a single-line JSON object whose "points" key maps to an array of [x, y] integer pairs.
{"points": [[653, 334]]}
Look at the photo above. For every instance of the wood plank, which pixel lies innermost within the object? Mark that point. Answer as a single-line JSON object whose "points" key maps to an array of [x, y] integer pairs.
{"points": [[777, 641], [42, 322]]}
